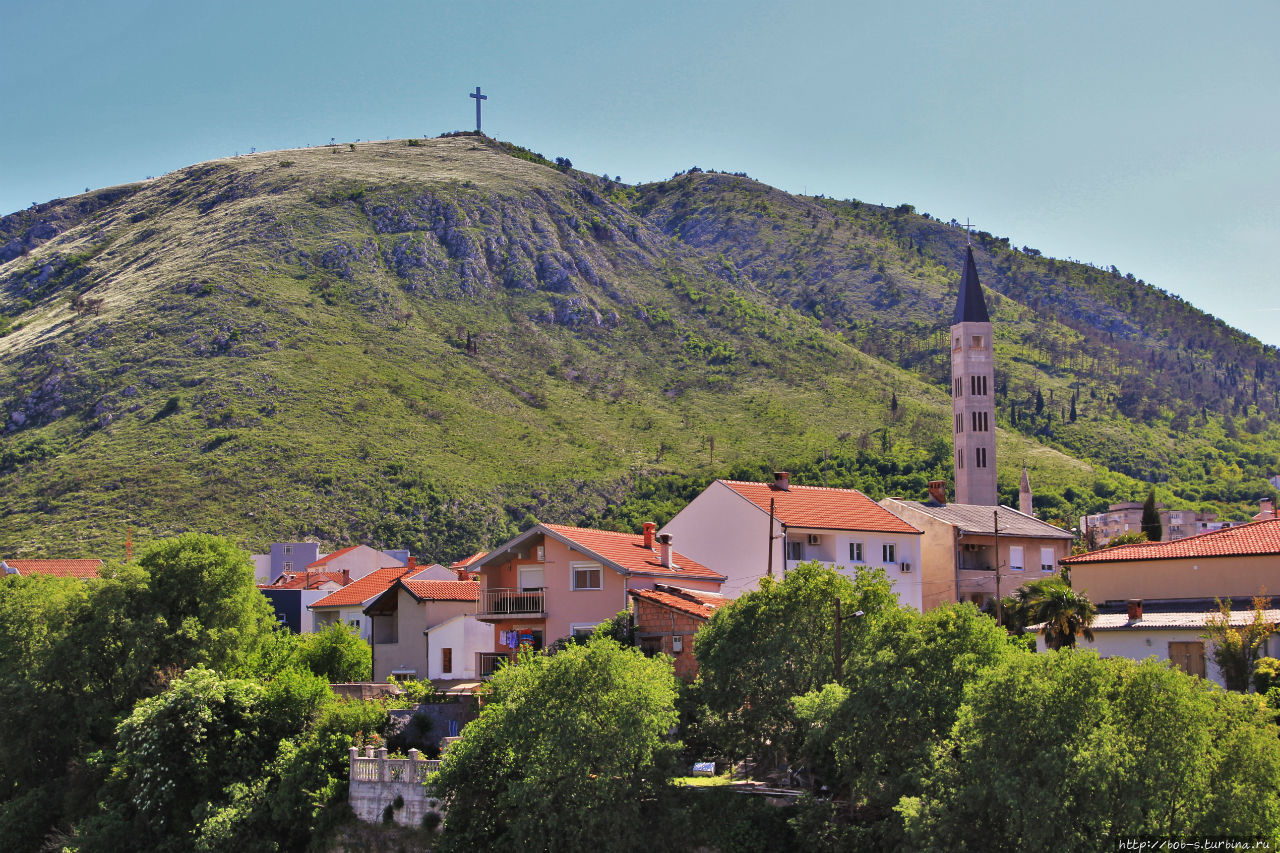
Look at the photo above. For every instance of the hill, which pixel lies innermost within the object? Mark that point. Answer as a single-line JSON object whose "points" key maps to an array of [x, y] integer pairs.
{"points": [[427, 343]]}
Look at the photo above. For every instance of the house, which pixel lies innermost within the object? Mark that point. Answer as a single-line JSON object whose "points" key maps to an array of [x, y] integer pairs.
{"points": [[554, 581], [454, 647], [82, 569], [1154, 597], [963, 543], [400, 617], [347, 604], [746, 531], [667, 618], [1126, 517], [292, 593], [359, 560], [1170, 630]]}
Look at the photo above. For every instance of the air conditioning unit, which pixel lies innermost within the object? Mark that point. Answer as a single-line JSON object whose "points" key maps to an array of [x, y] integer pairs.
{"points": [[815, 539], [677, 644], [538, 554], [906, 567]]}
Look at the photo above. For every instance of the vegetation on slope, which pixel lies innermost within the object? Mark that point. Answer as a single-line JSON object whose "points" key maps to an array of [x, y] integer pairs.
{"points": [[428, 345]]}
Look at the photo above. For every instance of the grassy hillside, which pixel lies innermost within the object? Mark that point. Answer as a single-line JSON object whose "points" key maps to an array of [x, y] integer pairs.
{"points": [[428, 343]]}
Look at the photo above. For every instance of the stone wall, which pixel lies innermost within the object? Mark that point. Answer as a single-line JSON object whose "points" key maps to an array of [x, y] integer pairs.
{"points": [[377, 782]]}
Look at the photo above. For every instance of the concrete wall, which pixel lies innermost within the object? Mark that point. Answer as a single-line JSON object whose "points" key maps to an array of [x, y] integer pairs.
{"points": [[833, 550], [1203, 577], [974, 485], [937, 554]]}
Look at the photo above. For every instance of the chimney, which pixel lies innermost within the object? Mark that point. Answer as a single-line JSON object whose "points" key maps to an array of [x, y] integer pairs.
{"points": [[1135, 609], [1268, 509], [938, 491], [413, 563], [649, 528], [463, 574], [664, 549], [346, 576], [781, 481]]}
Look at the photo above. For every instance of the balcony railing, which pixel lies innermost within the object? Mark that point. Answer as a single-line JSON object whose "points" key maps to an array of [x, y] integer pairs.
{"points": [[511, 602]]}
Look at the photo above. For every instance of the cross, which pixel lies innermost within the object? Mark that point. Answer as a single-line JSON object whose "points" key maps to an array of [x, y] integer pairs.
{"points": [[968, 226], [479, 97]]}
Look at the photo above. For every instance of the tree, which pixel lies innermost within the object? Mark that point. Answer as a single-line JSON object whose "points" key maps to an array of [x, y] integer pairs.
{"points": [[1064, 612], [177, 752], [1071, 752], [1151, 518], [774, 643], [336, 653], [1131, 537], [1236, 649], [569, 753], [872, 742]]}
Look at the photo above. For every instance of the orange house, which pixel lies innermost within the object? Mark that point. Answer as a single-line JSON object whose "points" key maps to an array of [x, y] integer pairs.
{"points": [[554, 581]]}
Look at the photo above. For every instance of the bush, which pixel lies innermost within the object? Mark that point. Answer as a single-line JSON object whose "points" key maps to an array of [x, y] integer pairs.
{"points": [[1266, 673]]}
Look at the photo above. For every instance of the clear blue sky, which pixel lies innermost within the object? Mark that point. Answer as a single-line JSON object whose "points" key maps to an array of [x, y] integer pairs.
{"points": [[1137, 133]]}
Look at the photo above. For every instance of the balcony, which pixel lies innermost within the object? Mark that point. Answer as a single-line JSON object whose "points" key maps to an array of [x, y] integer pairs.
{"points": [[496, 604]]}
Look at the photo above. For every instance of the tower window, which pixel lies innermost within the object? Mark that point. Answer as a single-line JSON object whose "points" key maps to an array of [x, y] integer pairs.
{"points": [[980, 457], [960, 422], [957, 343], [959, 460], [980, 422], [959, 392], [977, 342], [978, 386]]}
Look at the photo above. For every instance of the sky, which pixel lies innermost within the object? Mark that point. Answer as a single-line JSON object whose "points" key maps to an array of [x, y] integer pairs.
{"points": [[1132, 133]]}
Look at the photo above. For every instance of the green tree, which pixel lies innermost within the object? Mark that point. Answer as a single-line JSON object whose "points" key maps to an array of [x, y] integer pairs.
{"points": [[1064, 612], [569, 753], [336, 653], [1151, 518], [1236, 649], [872, 741], [1132, 537], [177, 753], [777, 642], [1069, 752]]}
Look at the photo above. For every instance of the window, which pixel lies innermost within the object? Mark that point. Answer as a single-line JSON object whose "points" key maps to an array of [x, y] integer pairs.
{"points": [[582, 631], [530, 578], [795, 550], [288, 566], [959, 387], [1015, 558], [980, 457], [855, 552], [976, 343], [890, 552], [959, 460], [288, 549], [978, 386], [446, 660], [587, 575], [354, 623], [960, 422], [1046, 559], [956, 345], [980, 422]]}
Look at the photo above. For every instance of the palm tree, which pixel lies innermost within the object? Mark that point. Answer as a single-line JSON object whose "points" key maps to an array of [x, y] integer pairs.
{"points": [[1064, 614]]}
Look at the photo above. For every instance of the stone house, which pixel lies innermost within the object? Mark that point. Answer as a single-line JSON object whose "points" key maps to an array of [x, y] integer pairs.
{"points": [[666, 619]]}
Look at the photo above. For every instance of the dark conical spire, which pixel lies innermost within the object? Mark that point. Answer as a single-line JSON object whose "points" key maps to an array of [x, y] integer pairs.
{"points": [[972, 307]]}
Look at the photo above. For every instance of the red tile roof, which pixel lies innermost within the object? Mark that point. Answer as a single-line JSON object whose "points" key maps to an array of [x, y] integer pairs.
{"points": [[58, 568], [822, 508], [305, 580], [369, 586], [462, 564], [697, 604], [444, 590], [1254, 539], [324, 561], [627, 552]]}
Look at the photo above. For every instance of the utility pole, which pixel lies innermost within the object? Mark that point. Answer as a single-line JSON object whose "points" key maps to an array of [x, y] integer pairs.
{"points": [[839, 666], [995, 528]]}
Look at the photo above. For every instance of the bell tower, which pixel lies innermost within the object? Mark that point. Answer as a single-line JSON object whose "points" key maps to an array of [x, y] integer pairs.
{"points": [[973, 393]]}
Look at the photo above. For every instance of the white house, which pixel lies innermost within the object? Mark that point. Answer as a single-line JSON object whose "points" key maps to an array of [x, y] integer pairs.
{"points": [[744, 530], [454, 647]]}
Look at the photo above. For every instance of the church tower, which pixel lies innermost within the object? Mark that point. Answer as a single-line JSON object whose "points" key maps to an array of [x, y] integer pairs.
{"points": [[973, 393]]}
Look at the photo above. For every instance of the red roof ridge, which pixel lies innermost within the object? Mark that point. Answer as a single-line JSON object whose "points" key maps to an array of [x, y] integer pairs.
{"points": [[1251, 538], [372, 584]]}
